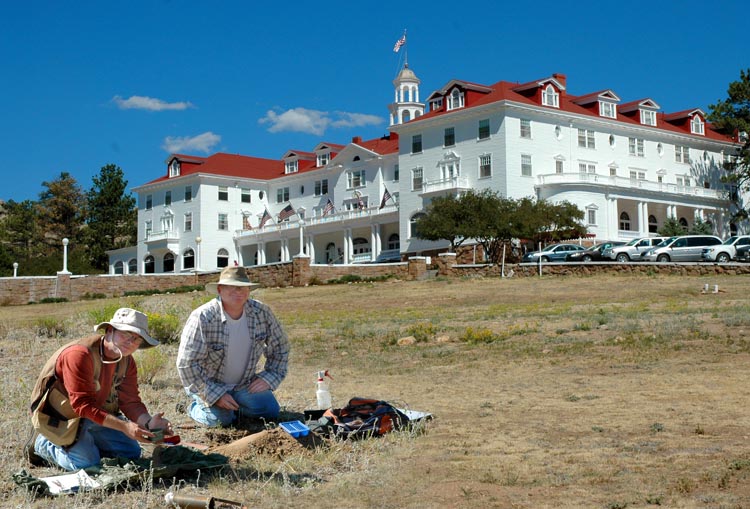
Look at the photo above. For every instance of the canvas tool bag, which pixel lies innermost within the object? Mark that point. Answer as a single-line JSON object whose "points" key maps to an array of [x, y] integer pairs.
{"points": [[361, 418], [51, 413]]}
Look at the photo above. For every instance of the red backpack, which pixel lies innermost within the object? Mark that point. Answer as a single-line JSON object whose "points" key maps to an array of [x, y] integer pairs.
{"points": [[362, 417]]}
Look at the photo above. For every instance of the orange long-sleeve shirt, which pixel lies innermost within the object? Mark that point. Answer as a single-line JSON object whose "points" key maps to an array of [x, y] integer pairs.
{"points": [[75, 367]]}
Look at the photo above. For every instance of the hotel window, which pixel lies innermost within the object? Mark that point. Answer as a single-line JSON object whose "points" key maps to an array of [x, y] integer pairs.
{"points": [[321, 187], [188, 193], [174, 168], [525, 128], [591, 216], [223, 193], [188, 259], [485, 166], [455, 100], [449, 137], [395, 173], [416, 144], [282, 194], [635, 147], [550, 97], [148, 226], [168, 198], [648, 117], [559, 166], [624, 221], [586, 138], [637, 175], [586, 168], [416, 179], [681, 154], [607, 109], [696, 125], [526, 165], [245, 196], [291, 167], [323, 159], [222, 258], [355, 179], [188, 221], [223, 222], [613, 171], [484, 129], [149, 202], [133, 266]]}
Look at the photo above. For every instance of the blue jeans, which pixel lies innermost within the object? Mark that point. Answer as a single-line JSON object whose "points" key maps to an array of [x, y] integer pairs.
{"points": [[94, 442], [252, 404]]}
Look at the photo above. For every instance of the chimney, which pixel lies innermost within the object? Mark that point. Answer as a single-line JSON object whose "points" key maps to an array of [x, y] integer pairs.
{"points": [[357, 140], [561, 78]]}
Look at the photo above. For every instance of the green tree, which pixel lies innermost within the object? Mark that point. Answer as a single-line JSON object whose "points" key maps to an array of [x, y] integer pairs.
{"points": [[112, 215], [443, 219], [732, 116], [672, 228], [61, 210], [19, 229], [701, 227]]}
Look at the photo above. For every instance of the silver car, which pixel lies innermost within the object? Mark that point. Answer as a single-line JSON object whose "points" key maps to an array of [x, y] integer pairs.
{"points": [[633, 250], [684, 248]]}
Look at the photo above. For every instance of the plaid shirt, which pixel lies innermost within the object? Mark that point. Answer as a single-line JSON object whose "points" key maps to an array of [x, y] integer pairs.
{"points": [[205, 339]]}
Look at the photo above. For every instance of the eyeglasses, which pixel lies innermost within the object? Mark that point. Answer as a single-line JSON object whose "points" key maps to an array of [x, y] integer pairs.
{"points": [[130, 337]]}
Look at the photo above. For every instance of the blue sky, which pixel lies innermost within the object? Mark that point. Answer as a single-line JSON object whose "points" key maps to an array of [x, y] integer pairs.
{"points": [[85, 84]]}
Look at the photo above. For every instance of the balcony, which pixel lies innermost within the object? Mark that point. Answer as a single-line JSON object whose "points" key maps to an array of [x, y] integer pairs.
{"points": [[446, 185], [625, 183], [163, 240]]}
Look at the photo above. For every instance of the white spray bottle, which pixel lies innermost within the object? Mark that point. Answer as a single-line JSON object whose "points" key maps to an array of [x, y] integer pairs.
{"points": [[323, 394]]}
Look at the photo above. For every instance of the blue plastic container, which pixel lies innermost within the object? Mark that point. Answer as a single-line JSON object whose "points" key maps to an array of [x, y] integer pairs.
{"points": [[295, 428]]}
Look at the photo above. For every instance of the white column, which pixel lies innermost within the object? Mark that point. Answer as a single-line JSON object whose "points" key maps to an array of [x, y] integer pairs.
{"points": [[347, 245], [261, 253]]}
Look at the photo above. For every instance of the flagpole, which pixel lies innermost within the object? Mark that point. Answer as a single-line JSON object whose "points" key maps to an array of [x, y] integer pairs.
{"points": [[406, 50]]}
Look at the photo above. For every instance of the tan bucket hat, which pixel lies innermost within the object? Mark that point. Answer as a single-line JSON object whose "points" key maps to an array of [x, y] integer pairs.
{"points": [[231, 276], [132, 321]]}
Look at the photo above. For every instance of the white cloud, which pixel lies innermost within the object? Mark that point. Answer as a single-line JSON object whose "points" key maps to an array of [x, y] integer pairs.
{"points": [[315, 122], [202, 143], [139, 102]]}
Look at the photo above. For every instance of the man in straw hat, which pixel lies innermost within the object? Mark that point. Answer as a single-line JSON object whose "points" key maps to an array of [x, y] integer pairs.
{"points": [[110, 418], [220, 349]]}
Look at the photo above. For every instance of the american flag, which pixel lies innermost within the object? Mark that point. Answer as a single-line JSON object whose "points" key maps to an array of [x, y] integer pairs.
{"points": [[264, 219], [246, 222], [360, 203], [286, 212], [328, 209], [386, 197], [399, 43]]}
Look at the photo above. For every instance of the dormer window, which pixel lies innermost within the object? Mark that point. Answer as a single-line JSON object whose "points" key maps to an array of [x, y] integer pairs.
{"points": [[550, 97], [174, 168], [455, 100], [648, 117], [696, 125], [324, 158], [291, 167], [607, 109]]}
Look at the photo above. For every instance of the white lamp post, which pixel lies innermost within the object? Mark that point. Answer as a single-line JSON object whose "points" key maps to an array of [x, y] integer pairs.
{"points": [[15, 269], [65, 242], [198, 254]]}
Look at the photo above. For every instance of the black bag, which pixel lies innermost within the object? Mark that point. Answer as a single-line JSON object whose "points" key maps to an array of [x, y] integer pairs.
{"points": [[360, 418]]}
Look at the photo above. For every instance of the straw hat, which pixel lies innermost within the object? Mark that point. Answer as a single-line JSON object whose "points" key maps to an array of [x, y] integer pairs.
{"points": [[231, 276], [132, 321]]}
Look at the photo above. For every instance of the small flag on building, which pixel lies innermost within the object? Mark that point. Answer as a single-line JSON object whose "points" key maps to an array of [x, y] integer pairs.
{"points": [[264, 219], [286, 213], [328, 209], [360, 203], [386, 196], [399, 43], [246, 222]]}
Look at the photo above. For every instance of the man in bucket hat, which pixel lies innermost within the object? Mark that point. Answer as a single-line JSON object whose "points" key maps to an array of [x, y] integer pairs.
{"points": [[220, 348], [113, 419]]}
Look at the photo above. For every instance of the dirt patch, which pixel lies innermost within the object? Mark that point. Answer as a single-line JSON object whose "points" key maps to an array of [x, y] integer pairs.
{"points": [[272, 442]]}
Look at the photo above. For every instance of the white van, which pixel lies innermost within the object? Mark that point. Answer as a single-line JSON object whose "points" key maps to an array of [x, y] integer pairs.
{"points": [[684, 248], [726, 251], [633, 250]]}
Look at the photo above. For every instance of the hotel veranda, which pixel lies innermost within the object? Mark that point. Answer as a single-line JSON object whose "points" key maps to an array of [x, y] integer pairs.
{"points": [[628, 165]]}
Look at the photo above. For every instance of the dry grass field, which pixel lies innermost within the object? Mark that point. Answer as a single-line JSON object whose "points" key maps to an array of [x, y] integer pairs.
{"points": [[591, 392]]}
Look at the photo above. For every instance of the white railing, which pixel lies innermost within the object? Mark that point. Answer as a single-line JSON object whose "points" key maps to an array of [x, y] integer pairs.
{"points": [[433, 186], [162, 235], [629, 183], [335, 217]]}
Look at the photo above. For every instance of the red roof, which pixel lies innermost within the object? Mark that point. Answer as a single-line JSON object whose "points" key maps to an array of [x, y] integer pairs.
{"points": [[529, 93]]}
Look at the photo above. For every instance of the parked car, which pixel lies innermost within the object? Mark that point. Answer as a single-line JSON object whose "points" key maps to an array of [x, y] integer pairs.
{"points": [[743, 254], [593, 254], [683, 248], [727, 250], [552, 253], [633, 250]]}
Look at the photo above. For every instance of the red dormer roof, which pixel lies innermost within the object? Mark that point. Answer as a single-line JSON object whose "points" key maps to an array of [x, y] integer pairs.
{"points": [[647, 104], [230, 165], [530, 93], [384, 145]]}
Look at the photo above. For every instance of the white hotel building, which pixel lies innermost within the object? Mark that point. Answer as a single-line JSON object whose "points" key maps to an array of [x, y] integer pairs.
{"points": [[628, 165]]}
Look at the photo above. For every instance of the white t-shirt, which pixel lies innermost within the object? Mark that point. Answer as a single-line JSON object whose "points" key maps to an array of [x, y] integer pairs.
{"points": [[238, 351]]}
